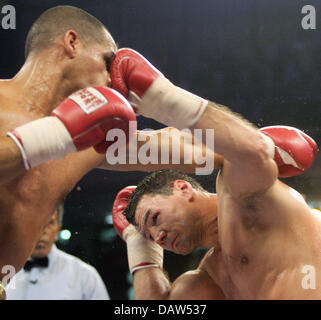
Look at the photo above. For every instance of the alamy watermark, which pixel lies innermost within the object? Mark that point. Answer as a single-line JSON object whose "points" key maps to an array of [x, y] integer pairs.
{"points": [[8, 280], [8, 17], [309, 280], [163, 147], [309, 19]]}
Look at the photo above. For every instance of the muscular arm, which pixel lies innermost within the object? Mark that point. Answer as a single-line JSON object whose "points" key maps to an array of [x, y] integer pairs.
{"points": [[242, 147], [151, 283], [185, 153], [11, 163], [248, 165]]}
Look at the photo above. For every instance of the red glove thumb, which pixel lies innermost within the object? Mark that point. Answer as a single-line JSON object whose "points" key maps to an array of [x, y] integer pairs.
{"points": [[119, 206], [295, 151]]}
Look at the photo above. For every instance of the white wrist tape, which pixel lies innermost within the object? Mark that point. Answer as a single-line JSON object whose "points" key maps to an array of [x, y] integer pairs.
{"points": [[169, 104], [141, 253], [42, 140]]}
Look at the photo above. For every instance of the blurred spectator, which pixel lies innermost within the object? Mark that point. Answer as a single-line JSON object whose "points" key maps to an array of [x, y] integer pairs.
{"points": [[51, 274]]}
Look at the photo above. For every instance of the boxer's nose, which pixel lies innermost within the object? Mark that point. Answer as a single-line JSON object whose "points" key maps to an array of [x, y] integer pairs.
{"points": [[161, 237]]}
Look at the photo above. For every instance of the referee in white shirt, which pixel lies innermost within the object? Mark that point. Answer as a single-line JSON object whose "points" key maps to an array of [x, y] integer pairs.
{"points": [[51, 274]]}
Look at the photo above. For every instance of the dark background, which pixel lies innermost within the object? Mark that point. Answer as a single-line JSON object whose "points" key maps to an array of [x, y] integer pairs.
{"points": [[250, 55]]}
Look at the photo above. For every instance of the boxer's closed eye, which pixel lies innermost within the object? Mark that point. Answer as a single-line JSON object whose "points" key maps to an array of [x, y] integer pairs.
{"points": [[108, 62], [154, 219], [109, 59]]}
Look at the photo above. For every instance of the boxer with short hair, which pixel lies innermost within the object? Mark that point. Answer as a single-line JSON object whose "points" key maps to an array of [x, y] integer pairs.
{"points": [[44, 132], [261, 232], [51, 127]]}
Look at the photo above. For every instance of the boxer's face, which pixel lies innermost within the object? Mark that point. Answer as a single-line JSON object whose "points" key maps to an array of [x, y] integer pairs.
{"points": [[171, 221], [91, 65], [47, 239]]}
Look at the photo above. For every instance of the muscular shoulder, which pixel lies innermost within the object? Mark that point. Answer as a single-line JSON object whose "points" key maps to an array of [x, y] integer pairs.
{"points": [[12, 114], [279, 206], [11, 117], [286, 203]]}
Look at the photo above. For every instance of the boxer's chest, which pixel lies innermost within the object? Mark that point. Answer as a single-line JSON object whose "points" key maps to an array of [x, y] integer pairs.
{"points": [[41, 187], [237, 264], [238, 276]]}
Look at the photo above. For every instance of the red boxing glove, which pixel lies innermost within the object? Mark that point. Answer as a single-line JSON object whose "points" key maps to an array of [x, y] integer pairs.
{"points": [[151, 94], [294, 150], [79, 122], [141, 253], [132, 73], [90, 113], [120, 204]]}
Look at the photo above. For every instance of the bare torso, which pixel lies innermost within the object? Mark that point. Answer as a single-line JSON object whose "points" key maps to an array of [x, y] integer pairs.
{"points": [[269, 247], [28, 201]]}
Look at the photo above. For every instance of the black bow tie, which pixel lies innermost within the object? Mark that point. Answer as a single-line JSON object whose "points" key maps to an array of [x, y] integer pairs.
{"points": [[37, 262]]}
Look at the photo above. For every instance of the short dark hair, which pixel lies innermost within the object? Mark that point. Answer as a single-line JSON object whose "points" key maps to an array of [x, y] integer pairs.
{"points": [[56, 21], [158, 182]]}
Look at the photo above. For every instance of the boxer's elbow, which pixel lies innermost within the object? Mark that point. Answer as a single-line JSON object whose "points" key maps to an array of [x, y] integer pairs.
{"points": [[260, 151], [261, 163], [265, 170]]}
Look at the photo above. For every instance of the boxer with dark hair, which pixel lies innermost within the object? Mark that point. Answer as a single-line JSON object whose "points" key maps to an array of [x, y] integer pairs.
{"points": [[261, 232]]}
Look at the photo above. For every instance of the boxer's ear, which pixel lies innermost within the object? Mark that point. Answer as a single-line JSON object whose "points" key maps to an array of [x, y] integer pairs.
{"points": [[71, 43], [183, 187]]}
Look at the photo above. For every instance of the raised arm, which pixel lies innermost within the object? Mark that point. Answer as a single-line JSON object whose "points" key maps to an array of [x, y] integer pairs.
{"points": [[154, 96], [249, 165]]}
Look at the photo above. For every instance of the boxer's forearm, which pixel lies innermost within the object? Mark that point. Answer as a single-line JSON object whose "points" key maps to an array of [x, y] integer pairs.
{"points": [[248, 155], [156, 97], [235, 138], [151, 284], [184, 152], [11, 162]]}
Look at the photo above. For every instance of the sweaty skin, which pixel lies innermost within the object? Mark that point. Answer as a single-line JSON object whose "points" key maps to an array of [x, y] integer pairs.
{"points": [[264, 258], [262, 234]]}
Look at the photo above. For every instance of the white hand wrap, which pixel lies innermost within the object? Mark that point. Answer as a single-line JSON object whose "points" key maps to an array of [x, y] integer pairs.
{"points": [[141, 253], [42, 140], [169, 104]]}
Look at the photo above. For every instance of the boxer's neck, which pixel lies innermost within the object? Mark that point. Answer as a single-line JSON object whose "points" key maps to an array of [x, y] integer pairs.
{"points": [[207, 204], [40, 83]]}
